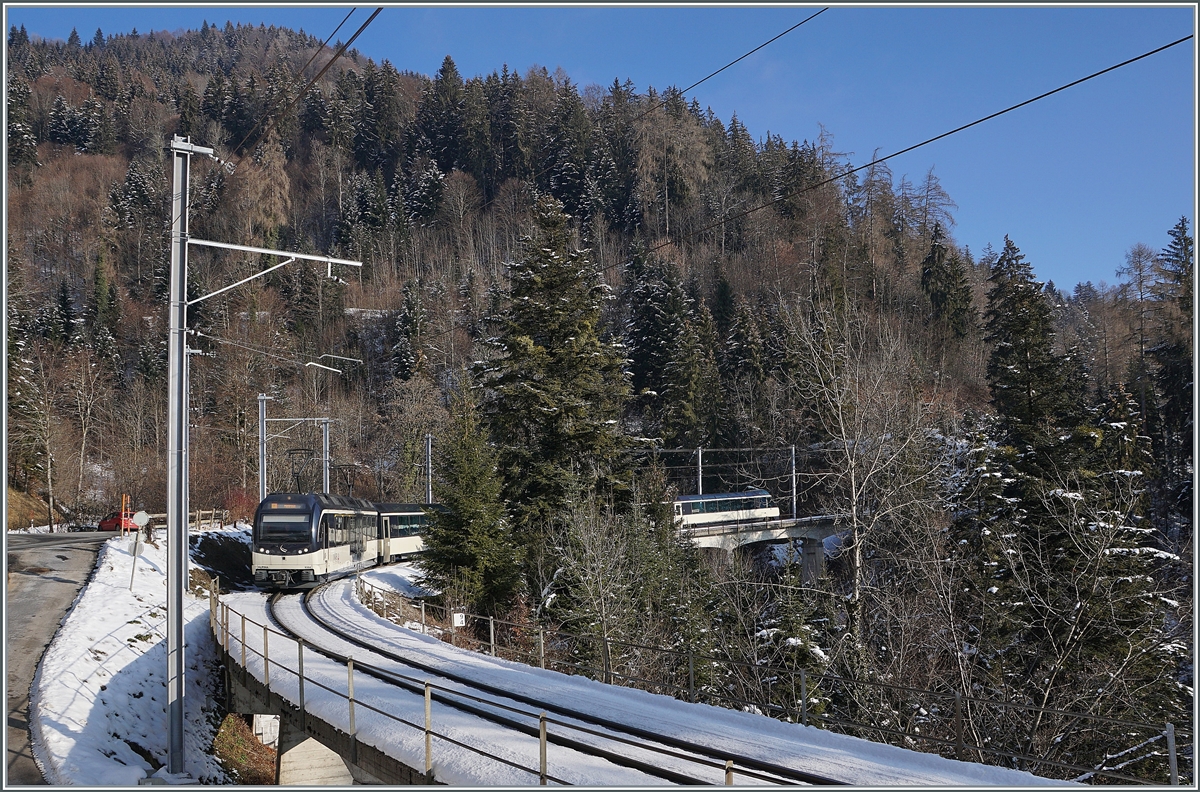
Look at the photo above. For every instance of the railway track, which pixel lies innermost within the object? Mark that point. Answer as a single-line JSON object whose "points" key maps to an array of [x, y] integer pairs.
{"points": [[664, 757]]}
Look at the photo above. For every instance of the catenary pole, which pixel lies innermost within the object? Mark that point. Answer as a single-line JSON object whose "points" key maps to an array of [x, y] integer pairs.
{"points": [[429, 468], [181, 153], [262, 446], [325, 455]]}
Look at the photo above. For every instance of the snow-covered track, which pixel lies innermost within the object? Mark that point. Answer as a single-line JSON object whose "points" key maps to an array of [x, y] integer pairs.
{"points": [[292, 615], [324, 610]]}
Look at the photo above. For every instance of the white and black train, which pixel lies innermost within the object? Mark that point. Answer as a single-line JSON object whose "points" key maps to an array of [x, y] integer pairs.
{"points": [[751, 506], [300, 540]]}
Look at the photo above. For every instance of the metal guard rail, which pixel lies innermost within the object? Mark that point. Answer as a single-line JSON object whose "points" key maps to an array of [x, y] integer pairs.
{"points": [[962, 748], [219, 624]]}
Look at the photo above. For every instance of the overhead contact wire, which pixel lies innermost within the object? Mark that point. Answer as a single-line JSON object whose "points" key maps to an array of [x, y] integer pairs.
{"points": [[852, 171]]}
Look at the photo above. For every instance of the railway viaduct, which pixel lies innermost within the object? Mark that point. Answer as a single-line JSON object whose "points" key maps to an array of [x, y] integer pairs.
{"points": [[311, 751], [810, 531]]}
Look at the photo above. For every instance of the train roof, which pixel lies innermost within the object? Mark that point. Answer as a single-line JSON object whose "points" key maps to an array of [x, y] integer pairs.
{"points": [[722, 495], [407, 508], [323, 499]]}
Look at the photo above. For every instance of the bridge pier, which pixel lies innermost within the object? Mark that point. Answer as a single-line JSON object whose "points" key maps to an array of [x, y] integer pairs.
{"points": [[311, 752], [812, 552], [301, 760]]}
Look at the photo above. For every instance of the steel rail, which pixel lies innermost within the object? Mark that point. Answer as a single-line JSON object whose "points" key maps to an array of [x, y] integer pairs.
{"points": [[443, 696], [712, 753]]}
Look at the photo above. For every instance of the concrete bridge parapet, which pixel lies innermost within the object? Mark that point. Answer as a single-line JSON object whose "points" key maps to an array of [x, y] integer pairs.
{"points": [[811, 531]]}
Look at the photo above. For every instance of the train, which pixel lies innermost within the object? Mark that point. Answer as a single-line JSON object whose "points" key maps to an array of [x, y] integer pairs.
{"points": [[300, 540], [750, 506]]}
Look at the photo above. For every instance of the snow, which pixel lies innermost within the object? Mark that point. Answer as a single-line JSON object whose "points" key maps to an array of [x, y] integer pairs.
{"points": [[98, 701], [800, 747]]}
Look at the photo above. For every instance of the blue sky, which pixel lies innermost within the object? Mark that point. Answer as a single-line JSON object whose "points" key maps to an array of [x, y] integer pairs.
{"points": [[1075, 179]]}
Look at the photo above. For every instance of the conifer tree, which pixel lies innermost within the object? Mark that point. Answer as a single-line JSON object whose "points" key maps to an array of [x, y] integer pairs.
{"points": [[944, 279], [1023, 374], [555, 392], [470, 544]]}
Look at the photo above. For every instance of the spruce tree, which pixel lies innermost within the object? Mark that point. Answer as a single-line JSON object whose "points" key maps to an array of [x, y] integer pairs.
{"points": [[944, 279], [555, 392], [470, 544], [1023, 374]]}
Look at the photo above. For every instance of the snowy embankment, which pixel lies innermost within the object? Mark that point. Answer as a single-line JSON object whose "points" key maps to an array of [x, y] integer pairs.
{"points": [[98, 703], [857, 761], [807, 748]]}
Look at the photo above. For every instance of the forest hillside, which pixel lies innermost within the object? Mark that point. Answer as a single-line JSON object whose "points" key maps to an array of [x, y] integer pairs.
{"points": [[572, 289]]}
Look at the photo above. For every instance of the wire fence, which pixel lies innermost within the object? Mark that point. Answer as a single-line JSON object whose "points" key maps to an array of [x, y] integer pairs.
{"points": [[1074, 745]]}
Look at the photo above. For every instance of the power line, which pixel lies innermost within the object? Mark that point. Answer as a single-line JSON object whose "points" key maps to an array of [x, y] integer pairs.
{"points": [[732, 62], [330, 64], [268, 116], [295, 361], [923, 143]]}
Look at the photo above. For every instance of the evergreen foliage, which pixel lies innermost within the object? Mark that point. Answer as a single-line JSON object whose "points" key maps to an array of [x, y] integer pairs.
{"points": [[489, 211], [1024, 375], [469, 545], [555, 392]]}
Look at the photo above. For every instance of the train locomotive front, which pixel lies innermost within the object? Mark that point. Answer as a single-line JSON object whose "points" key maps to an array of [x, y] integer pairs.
{"points": [[301, 540]]}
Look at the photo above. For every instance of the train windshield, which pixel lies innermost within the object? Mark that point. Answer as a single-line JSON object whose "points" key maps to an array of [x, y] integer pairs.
{"points": [[284, 528]]}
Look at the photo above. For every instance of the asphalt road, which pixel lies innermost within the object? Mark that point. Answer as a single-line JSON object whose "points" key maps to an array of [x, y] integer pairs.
{"points": [[45, 572]]}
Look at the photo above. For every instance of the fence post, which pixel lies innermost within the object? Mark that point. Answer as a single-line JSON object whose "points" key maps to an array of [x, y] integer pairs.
{"points": [[958, 726], [428, 732], [350, 699], [243, 644], [300, 676], [542, 748], [225, 622], [1173, 757], [691, 676], [266, 662], [607, 661], [423, 630], [542, 646], [492, 634], [728, 772], [803, 698]]}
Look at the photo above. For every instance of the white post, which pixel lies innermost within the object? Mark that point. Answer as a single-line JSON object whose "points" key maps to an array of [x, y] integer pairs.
{"points": [[325, 454], [699, 471], [429, 468], [262, 446]]}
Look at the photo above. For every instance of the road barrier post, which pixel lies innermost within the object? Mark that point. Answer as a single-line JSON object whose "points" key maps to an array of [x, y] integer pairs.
{"points": [[607, 661], [958, 726], [542, 646], [691, 676], [492, 634], [728, 772], [542, 748], [266, 661], [423, 630], [243, 643], [428, 733]]}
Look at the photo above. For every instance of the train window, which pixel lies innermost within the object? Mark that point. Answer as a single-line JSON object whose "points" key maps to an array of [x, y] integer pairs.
{"points": [[284, 528]]}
